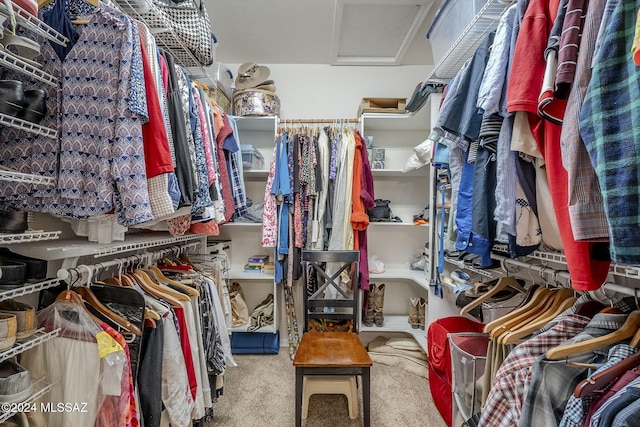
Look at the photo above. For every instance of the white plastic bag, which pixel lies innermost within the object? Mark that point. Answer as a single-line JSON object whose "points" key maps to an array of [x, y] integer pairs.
{"points": [[376, 266]]}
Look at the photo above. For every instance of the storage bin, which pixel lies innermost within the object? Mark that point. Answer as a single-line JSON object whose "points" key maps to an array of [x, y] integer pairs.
{"points": [[251, 157], [256, 102], [451, 20], [468, 358], [224, 78]]}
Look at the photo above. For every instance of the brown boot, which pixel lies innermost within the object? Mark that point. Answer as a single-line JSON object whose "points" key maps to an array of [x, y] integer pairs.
{"points": [[367, 312], [414, 319], [378, 303], [422, 308]]}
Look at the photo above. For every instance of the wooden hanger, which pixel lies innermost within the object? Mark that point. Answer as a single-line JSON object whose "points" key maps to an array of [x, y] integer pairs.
{"points": [[160, 277], [537, 296], [626, 331], [545, 298], [94, 302], [503, 283], [159, 291], [72, 296], [595, 382], [561, 301]]}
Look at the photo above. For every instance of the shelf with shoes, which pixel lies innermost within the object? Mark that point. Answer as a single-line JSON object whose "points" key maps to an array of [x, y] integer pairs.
{"points": [[39, 337], [40, 388], [16, 64], [401, 273]]}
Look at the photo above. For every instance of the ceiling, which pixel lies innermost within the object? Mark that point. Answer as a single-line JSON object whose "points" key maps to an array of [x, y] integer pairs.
{"points": [[336, 32]]}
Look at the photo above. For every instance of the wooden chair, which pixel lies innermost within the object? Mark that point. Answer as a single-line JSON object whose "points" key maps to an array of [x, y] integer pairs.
{"points": [[332, 353]]}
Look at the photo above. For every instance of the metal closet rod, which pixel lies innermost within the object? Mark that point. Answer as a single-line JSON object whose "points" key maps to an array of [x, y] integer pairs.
{"points": [[319, 121], [74, 273], [542, 270]]}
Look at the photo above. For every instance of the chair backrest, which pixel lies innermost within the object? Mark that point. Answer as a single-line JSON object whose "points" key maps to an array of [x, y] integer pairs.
{"points": [[330, 268]]}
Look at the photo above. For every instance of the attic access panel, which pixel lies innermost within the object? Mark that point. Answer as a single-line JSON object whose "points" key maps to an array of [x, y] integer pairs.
{"points": [[375, 32]]}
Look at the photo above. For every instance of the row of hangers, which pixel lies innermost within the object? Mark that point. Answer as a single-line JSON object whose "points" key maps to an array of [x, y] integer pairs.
{"points": [[313, 126], [139, 274]]}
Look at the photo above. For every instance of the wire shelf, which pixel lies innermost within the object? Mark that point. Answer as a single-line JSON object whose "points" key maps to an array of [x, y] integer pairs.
{"points": [[142, 242], [21, 66], [29, 236], [35, 25], [7, 174], [489, 273], [28, 126], [466, 44], [40, 386], [28, 289], [39, 337]]}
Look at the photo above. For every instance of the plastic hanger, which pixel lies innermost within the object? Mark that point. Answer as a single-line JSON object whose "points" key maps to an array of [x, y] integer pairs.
{"points": [[626, 331], [503, 283]]}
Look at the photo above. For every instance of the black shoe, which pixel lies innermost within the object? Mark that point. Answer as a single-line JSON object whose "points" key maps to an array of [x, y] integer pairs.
{"points": [[13, 222], [11, 97], [13, 273], [34, 106], [36, 268]]}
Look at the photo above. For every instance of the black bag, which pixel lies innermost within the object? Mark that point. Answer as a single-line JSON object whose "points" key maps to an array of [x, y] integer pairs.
{"points": [[380, 211]]}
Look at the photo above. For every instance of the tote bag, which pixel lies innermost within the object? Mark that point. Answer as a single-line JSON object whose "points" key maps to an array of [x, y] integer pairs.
{"points": [[191, 24]]}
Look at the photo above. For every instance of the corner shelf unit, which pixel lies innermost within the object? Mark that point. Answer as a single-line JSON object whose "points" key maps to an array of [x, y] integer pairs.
{"points": [[399, 323]]}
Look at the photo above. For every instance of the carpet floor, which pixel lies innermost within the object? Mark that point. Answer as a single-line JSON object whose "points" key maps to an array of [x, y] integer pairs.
{"points": [[260, 392]]}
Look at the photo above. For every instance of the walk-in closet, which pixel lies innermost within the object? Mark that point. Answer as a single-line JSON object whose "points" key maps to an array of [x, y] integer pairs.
{"points": [[303, 213]]}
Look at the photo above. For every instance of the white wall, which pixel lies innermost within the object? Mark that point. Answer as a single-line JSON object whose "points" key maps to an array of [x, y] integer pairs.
{"points": [[319, 91]]}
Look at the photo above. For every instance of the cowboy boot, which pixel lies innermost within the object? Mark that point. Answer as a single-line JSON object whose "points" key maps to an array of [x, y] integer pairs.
{"points": [[367, 313], [422, 308], [378, 302], [414, 320]]}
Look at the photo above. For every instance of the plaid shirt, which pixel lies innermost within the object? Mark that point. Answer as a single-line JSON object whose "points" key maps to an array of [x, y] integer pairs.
{"points": [[596, 419], [505, 399], [586, 208], [608, 122], [575, 413], [552, 382]]}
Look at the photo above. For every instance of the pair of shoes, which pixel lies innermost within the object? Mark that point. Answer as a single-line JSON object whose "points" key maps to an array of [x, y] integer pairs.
{"points": [[36, 269], [15, 382], [374, 305], [417, 312], [25, 317], [28, 105], [12, 221]]}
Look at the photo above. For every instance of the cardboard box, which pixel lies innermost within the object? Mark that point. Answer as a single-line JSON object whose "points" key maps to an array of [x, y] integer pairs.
{"points": [[382, 105]]}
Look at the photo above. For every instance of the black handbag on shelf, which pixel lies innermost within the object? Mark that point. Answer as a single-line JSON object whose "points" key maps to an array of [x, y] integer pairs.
{"points": [[381, 212]]}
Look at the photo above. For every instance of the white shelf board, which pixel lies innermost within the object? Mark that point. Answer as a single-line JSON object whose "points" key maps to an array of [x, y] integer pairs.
{"points": [[396, 224], [394, 121], [257, 124], [399, 323], [256, 174], [240, 274], [402, 273], [242, 224], [79, 247], [7, 174], [39, 337], [395, 173], [265, 329]]}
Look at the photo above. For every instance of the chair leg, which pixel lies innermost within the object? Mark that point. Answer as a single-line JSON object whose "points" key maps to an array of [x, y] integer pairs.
{"points": [[299, 378], [366, 397]]}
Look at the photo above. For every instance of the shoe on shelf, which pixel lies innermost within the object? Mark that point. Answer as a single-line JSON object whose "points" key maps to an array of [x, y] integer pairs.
{"points": [[35, 107], [422, 312], [13, 273], [25, 317], [378, 305], [461, 277], [12, 221], [36, 268], [369, 306], [8, 329], [11, 97], [15, 382], [414, 319]]}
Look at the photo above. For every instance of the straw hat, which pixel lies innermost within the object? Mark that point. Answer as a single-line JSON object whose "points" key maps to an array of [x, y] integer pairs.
{"points": [[251, 75]]}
